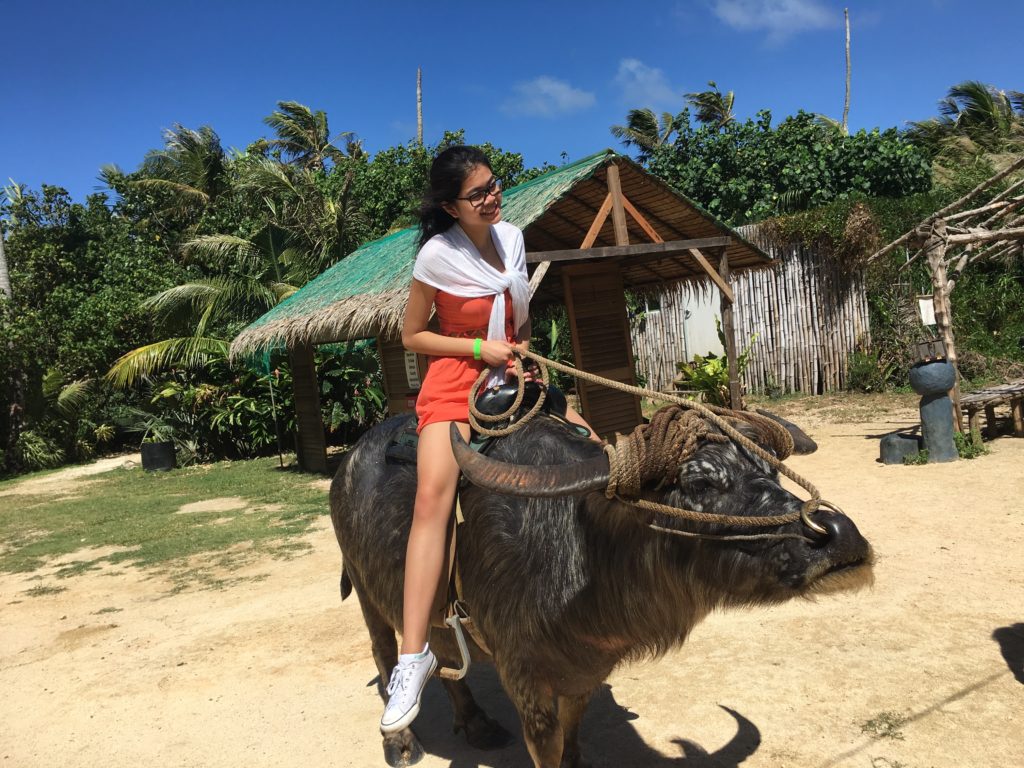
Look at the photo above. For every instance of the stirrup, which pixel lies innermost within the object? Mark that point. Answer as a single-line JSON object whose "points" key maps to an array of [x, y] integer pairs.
{"points": [[455, 622]]}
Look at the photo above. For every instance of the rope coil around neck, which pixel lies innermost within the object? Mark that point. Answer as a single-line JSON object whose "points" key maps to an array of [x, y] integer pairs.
{"points": [[656, 450]]}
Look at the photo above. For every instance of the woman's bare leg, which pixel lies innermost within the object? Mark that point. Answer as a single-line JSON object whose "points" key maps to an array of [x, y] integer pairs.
{"points": [[437, 476]]}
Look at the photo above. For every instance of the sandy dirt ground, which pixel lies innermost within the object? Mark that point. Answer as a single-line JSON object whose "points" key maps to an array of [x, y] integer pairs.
{"points": [[924, 670]]}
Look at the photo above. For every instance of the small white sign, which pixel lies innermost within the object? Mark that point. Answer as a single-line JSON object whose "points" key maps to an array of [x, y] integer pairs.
{"points": [[412, 370], [926, 306]]}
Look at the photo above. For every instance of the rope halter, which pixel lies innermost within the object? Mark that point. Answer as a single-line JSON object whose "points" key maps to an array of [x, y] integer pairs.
{"points": [[656, 451]]}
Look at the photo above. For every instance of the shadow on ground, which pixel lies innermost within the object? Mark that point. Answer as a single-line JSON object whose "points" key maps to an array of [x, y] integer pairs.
{"points": [[608, 737]]}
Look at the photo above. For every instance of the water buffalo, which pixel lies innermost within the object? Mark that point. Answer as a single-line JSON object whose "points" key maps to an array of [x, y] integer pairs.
{"points": [[566, 584]]}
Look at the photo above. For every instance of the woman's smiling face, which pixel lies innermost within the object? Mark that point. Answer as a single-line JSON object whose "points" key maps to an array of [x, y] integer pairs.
{"points": [[480, 179]]}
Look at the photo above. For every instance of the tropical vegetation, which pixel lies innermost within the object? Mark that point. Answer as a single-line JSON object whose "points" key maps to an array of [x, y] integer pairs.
{"points": [[116, 312]]}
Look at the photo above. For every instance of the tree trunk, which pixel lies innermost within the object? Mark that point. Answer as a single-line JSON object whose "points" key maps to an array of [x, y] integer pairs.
{"points": [[5, 275], [936, 255], [846, 104], [16, 384]]}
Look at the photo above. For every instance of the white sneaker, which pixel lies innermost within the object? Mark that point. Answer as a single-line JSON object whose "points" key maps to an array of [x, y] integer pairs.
{"points": [[407, 681]]}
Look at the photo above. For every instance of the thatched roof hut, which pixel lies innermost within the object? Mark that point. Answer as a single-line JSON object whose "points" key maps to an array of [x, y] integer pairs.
{"points": [[578, 222]]}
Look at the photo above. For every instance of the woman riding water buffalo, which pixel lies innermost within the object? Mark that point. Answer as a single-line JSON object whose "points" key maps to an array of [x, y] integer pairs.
{"points": [[471, 267]]}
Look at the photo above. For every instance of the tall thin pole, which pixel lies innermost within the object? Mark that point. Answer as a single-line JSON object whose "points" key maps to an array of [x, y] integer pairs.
{"points": [[419, 106], [5, 275], [846, 104]]}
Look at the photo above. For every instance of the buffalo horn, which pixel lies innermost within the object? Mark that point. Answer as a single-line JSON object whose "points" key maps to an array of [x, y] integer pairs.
{"points": [[529, 480], [802, 443]]}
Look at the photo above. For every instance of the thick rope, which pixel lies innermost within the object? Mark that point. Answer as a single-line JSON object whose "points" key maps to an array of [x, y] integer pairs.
{"points": [[477, 417], [656, 450]]}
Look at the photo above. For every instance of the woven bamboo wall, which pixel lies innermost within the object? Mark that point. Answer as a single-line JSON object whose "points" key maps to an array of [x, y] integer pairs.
{"points": [[807, 317]]}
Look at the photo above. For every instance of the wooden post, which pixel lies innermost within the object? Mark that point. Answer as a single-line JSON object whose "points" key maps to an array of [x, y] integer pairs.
{"points": [[935, 252], [310, 446], [618, 209], [735, 397]]}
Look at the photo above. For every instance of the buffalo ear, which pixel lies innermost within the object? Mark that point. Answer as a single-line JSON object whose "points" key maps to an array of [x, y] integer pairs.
{"points": [[802, 444]]}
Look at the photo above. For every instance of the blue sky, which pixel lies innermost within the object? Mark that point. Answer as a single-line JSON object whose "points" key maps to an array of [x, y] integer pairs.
{"points": [[91, 83]]}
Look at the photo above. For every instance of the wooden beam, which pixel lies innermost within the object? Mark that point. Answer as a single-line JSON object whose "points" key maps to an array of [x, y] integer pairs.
{"points": [[735, 396], [599, 219], [618, 211], [675, 232], [537, 276], [310, 445], [588, 240], [716, 278], [639, 218], [667, 248]]}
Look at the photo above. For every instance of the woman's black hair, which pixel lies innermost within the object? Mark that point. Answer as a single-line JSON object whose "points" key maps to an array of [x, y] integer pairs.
{"points": [[447, 173]]}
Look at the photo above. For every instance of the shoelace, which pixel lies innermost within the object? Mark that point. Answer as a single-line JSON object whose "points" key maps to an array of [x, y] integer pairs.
{"points": [[400, 678]]}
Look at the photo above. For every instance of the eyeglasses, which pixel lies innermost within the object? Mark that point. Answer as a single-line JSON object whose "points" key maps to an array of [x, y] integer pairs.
{"points": [[477, 198]]}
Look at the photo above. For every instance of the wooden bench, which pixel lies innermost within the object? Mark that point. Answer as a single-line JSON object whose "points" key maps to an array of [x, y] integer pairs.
{"points": [[1012, 394]]}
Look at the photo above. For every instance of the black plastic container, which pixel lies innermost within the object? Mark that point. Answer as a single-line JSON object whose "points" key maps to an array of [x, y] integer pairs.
{"points": [[158, 457]]}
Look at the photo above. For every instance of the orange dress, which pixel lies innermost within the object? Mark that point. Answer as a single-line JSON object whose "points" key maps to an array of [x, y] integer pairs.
{"points": [[444, 395]]}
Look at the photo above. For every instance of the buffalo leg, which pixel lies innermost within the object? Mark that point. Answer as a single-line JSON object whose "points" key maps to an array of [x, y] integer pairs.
{"points": [[570, 713], [482, 732], [536, 706], [403, 748]]}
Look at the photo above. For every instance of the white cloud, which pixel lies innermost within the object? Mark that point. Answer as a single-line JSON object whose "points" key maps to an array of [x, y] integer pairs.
{"points": [[781, 19], [546, 97], [645, 86]]}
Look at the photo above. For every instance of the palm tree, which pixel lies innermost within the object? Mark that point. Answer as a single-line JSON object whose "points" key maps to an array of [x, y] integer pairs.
{"points": [[712, 107], [251, 282], [303, 137], [191, 165], [645, 131], [323, 220], [975, 118]]}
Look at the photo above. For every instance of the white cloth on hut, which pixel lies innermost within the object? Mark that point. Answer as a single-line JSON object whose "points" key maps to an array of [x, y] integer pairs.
{"points": [[451, 263]]}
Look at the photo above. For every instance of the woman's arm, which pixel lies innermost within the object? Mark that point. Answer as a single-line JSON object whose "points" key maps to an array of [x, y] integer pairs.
{"points": [[416, 337]]}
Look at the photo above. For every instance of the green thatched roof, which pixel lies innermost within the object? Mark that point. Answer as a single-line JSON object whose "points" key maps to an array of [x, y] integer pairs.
{"points": [[364, 294]]}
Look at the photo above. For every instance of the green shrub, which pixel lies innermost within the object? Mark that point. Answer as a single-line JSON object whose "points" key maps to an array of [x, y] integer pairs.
{"points": [[866, 373], [969, 446]]}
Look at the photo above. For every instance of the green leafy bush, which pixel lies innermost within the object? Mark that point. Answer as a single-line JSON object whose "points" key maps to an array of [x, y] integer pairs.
{"points": [[865, 372], [709, 374], [748, 171]]}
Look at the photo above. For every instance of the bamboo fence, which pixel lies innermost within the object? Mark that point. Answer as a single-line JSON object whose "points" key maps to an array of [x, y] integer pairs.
{"points": [[805, 318]]}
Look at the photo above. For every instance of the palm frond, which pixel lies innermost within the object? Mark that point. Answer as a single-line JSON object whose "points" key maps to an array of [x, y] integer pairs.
{"points": [[712, 107], [188, 296], [641, 129], [72, 397], [174, 187], [180, 352], [219, 247]]}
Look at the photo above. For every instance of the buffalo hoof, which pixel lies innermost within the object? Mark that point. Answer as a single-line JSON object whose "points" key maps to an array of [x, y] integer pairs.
{"points": [[402, 749], [576, 762], [484, 733]]}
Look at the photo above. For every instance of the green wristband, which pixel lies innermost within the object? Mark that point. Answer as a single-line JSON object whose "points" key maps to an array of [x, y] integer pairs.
{"points": [[477, 344]]}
